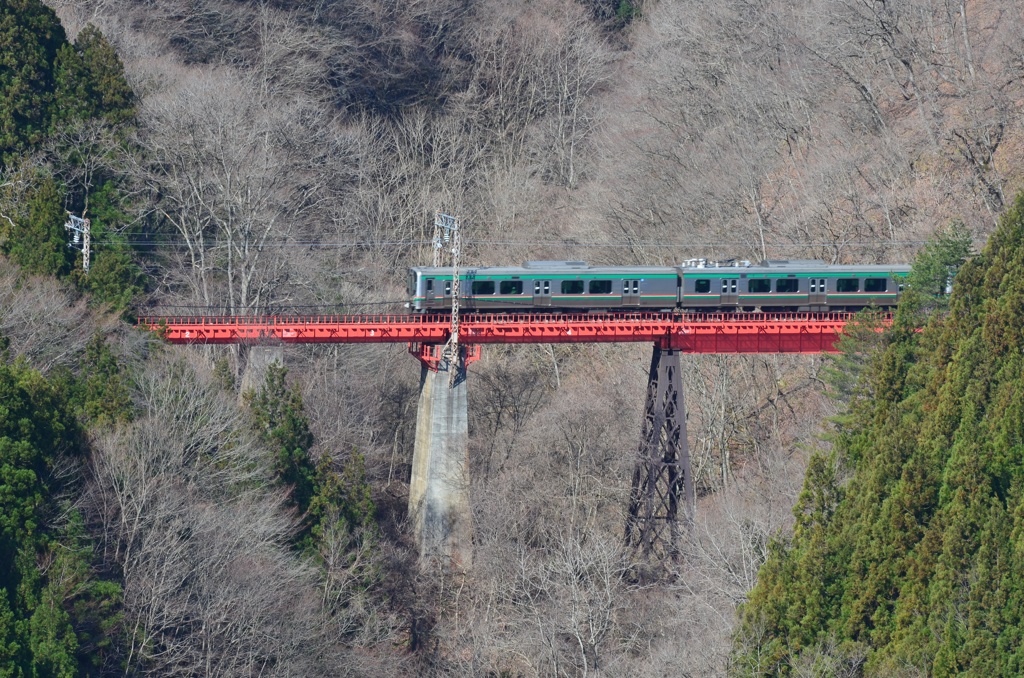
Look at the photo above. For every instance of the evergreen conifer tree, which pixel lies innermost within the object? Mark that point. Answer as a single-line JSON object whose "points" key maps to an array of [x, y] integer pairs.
{"points": [[30, 37], [913, 562]]}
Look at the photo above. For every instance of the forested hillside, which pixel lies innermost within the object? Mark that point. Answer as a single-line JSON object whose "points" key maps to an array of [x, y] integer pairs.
{"points": [[906, 556], [164, 516]]}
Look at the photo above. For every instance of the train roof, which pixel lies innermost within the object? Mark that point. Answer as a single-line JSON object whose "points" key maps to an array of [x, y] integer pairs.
{"points": [[691, 267], [534, 268], [796, 267]]}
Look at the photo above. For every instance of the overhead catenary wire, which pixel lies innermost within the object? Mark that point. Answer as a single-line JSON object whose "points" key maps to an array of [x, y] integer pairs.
{"points": [[568, 242]]}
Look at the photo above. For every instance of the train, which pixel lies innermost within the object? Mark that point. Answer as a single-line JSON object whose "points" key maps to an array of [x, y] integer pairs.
{"points": [[696, 285]]}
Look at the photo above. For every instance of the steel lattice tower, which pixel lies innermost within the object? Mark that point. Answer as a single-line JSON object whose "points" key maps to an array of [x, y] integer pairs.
{"points": [[663, 470], [447, 237]]}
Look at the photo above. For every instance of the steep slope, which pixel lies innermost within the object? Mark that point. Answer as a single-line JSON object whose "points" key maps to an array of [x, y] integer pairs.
{"points": [[906, 557]]}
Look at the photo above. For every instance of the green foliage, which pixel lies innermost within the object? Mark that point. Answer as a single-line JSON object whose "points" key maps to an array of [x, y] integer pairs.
{"points": [[344, 497], [279, 417], [93, 606], [223, 374], [941, 258], [861, 342], [30, 38], [343, 524], [114, 278], [332, 503], [51, 638], [358, 508], [72, 90], [99, 392], [76, 96], [933, 271], [90, 81], [913, 564], [626, 11], [37, 239], [45, 82], [56, 618]]}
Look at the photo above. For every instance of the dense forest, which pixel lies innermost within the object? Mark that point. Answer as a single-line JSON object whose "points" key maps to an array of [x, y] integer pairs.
{"points": [[905, 559], [164, 515]]}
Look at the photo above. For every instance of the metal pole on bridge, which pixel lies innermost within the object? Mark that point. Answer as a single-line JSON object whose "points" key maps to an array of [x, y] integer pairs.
{"points": [[446, 235], [439, 486]]}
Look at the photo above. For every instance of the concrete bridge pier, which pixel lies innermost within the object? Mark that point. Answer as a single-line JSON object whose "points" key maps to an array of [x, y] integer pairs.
{"points": [[257, 361], [439, 489]]}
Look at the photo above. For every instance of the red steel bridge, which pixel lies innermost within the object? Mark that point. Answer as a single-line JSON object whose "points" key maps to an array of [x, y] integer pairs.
{"points": [[685, 332], [662, 478]]}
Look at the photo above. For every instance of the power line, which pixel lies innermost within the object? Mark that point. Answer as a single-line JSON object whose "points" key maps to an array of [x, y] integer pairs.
{"points": [[274, 309], [661, 244]]}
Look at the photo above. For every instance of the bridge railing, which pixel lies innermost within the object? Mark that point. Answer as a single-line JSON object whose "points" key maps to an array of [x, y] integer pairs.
{"points": [[500, 318]]}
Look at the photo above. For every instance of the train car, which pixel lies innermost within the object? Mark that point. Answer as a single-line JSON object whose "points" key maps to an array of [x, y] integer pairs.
{"points": [[801, 285], [695, 285], [546, 285]]}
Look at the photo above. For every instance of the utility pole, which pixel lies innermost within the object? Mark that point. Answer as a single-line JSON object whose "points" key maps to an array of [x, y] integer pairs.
{"points": [[80, 237]]}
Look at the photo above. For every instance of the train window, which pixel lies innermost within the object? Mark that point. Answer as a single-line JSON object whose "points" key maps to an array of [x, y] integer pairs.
{"points": [[875, 285], [547, 287], [760, 286], [483, 287], [572, 287], [636, 287], [600, 286], [847, 285], [786, 285], [511, 287], [725, 286], [702, 286], [814, 285], [447, 288], [732, 285], [536, 287], [430, 285]]}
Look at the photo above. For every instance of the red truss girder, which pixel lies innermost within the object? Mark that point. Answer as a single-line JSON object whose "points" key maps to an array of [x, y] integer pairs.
{"points": [[690, 333]]}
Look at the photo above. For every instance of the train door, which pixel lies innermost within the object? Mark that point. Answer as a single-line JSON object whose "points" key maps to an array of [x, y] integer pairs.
{"points": [[817, 296], [446, 297], [730, 293], [631, 292], [429, 293], [541, 292]]}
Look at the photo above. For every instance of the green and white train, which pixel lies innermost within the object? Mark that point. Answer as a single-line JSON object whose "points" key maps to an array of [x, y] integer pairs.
{"points": [[695, 286]]}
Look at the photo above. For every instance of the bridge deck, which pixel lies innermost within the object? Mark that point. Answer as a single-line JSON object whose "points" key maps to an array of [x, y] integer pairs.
{"points": [[690, 333]]}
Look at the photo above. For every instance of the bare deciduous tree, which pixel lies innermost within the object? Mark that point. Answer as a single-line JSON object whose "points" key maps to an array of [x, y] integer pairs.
{"points": [[210, 585], [218, 160], [45, 321]]}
